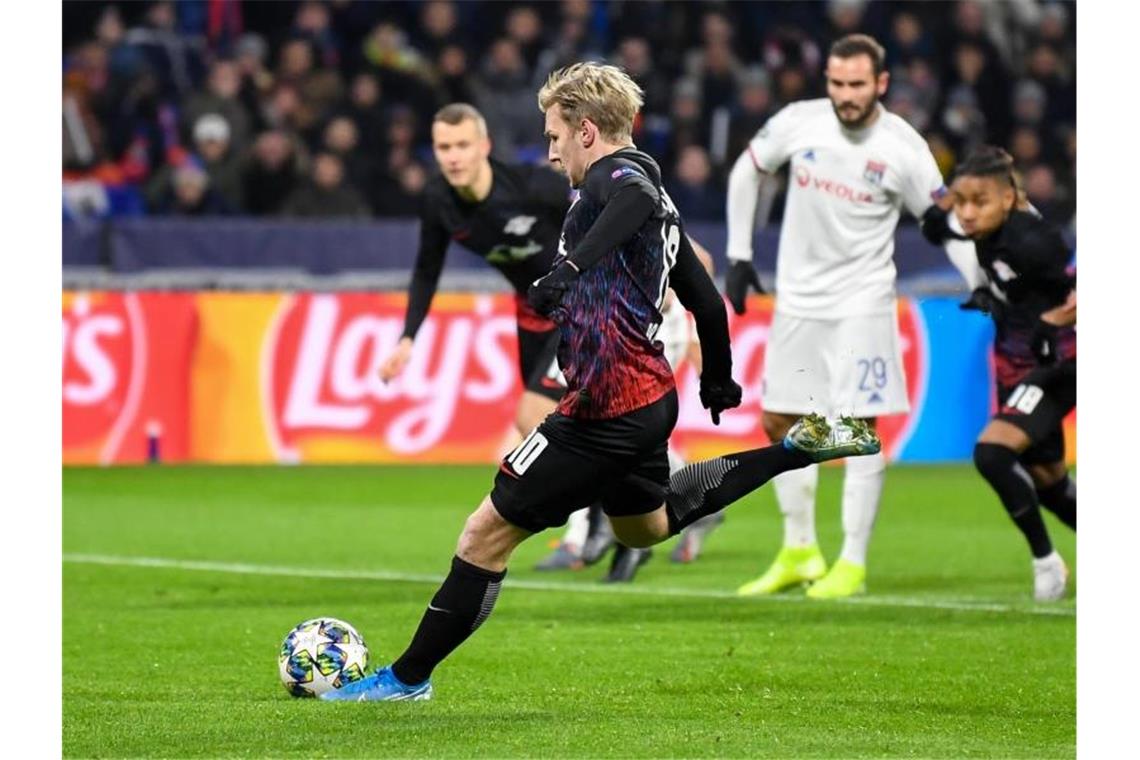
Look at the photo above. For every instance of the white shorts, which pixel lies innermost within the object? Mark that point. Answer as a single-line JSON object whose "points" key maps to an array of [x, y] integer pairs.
{"points": [[834, 366]]}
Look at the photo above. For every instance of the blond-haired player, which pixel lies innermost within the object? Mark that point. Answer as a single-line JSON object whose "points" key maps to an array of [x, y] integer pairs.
{"points": [[623, 244]]}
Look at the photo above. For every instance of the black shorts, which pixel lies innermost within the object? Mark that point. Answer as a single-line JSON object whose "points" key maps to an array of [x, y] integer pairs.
{"points": [[1038, 405], [567, 463], [538, 363]]}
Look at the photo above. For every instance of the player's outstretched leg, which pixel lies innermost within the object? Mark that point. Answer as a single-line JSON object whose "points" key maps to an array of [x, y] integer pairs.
{"points": [[999, 465], [1060, 498], [463, 603], [707, 487]]}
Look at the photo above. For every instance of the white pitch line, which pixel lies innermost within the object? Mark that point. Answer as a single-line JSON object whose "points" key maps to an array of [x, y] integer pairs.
{"points": [[240, 568]]}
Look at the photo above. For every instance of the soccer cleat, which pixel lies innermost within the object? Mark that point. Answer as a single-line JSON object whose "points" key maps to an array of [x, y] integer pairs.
{"points": [[1050, 577], [599, 540], [693, 538], [843, 580], [381, 686], [793, 566], [625, 563], [562, 558], [822, 441]]}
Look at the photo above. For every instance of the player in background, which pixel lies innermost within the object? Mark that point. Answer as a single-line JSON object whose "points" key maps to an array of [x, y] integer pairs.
{"points": [[511, 216], [1031, 297], [623, 243], [583, 539], [834, 343]]}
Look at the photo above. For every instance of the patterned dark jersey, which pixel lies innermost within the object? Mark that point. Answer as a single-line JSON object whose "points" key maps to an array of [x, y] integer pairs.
{"points": [[1026, 262], [609, 317], [515, 229]]}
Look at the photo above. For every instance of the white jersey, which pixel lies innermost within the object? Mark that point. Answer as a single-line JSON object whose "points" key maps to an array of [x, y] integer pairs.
{"points": [[845, 190], [676, 331]]}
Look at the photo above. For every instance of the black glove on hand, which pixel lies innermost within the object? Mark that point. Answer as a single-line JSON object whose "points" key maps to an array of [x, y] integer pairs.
{"points": [[740, 275], [545, 294], [1044, 343], [716, 396], [935, 226], [983, 300]]}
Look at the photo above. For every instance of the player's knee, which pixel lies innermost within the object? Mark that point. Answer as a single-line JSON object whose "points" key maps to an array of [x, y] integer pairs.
{"points": [[993, 459], [643, 531]]}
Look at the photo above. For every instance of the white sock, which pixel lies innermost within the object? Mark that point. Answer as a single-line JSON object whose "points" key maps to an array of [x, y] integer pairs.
{"points": [[577, 528], [795, 493], [862, 487]]}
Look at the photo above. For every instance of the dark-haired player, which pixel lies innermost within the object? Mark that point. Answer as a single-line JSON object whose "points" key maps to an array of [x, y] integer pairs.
{"points": [[1031, 297], [623, 244], [834, 345]]}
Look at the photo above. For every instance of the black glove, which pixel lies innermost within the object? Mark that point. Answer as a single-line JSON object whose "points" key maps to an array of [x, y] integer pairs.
{"points": [[740, 275], [545, 294], [716, 396], [1044, 343], [935, 226], [983, 300]]}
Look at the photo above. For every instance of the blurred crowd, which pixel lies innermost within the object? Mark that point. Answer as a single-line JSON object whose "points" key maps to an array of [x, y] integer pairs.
{"points": [[323, 109]]}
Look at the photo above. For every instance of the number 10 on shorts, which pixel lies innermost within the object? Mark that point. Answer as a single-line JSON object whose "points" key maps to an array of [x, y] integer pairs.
{"points": [[526, 452]]}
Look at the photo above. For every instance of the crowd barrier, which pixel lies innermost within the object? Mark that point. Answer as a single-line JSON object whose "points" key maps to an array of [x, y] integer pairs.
{"points": [[149, 244], [261, 377]]}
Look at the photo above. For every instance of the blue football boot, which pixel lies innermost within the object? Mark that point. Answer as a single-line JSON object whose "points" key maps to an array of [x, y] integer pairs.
{"points": [[381, 686]]}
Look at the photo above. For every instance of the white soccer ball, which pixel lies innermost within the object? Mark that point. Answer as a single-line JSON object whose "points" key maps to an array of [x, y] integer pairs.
{"points": [[320, 655]]}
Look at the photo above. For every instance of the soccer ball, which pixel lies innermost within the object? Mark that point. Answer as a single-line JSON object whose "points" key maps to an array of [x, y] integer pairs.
{"points": [[320, 655]]}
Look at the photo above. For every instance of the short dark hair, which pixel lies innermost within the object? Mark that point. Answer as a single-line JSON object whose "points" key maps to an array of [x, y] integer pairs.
{"points": [[860, 44]]}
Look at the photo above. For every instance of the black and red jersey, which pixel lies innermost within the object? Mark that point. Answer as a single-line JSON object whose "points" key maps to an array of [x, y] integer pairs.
{"points": [[1026, 261]]}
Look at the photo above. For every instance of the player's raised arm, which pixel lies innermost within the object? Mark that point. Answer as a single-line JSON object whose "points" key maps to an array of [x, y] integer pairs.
{"points": [[697, 293]]}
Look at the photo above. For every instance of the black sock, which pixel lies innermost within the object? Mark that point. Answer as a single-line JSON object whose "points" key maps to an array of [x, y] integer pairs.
{"points": [[462, 603], [707, 487], [998, 465], [1061, 499]]}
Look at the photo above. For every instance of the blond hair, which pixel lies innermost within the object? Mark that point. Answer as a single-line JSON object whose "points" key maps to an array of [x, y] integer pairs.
{"points": [[602, 93]]}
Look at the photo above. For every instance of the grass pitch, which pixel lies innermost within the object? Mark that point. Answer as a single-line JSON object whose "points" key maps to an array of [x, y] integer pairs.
{"points": [[179, 584]]}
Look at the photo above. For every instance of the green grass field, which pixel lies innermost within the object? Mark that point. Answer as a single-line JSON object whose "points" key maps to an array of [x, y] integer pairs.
{"points": [[179, 584]]}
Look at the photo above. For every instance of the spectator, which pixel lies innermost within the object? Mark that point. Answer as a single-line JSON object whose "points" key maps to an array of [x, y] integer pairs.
{"points": [[312, 23], [342, 140], [1025, 147], [189, 193], [272, 173], [223, 97], [693, 189], [326, 194], [752, 109], [212, 139], [365, 109], [633, 55], [1041, 189], [524, 27], [980, 73], [455, 84], [176, 60], [401, 197], [505, 95], [439, 27], [908, 40], [317, 88]]}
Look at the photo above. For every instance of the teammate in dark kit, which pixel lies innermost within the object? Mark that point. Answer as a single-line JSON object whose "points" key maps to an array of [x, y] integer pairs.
{"points": [[511, 216], [623, 244], [1032, 300]]}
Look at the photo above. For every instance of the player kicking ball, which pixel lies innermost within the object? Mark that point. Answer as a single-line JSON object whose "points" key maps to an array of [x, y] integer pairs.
{"points": [[1021, 452], [623, 244]]}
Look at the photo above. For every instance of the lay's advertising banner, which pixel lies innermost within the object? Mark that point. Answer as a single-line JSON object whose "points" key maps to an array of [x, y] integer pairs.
{"points": [[293, 377]]}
